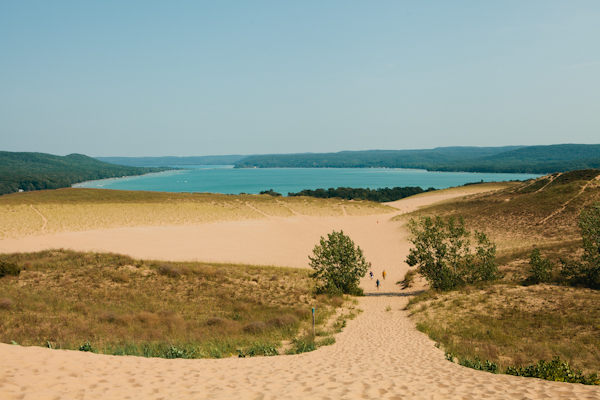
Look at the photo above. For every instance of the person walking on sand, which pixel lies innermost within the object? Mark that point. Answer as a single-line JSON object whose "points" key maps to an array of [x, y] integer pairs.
{"points": [[383, 274], [377, 284], [371, 274]]}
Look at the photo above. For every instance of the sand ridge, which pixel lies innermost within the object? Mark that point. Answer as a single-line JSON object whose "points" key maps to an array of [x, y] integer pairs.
{"points": [[380, 354]]}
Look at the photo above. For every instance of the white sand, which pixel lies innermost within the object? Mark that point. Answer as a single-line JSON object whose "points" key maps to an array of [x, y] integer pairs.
{"points": [[380, 355]]}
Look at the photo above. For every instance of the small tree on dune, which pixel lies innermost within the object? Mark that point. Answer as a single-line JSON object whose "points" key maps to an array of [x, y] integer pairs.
{"points": [[587, 271], [338, 265], [443, 255]]}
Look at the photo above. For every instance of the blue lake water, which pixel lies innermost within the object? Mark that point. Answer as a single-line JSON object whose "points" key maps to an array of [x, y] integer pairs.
{"points": [[227, 180]]}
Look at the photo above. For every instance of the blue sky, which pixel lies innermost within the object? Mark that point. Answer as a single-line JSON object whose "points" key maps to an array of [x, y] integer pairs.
{"points": [[149, 78]]}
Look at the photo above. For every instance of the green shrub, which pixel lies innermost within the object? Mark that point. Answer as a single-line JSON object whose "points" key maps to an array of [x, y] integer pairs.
{"points": [[9, 269], [303, 345], [86, 347], [327, 341], [338, 265], [174, 352], [443, 255], [487, 366], [259, 349], [555, 370], [587, 271], [271, 192], [540, 269]]}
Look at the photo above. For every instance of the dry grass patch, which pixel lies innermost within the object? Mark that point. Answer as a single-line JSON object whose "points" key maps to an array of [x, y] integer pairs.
{"points": [[514, 326], [66, 299], [520, 216]]}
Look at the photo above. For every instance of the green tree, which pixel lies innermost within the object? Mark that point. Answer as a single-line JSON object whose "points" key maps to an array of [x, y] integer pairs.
{"points": [[587, 271], [443, 255], [540, 269], [338, 265]]}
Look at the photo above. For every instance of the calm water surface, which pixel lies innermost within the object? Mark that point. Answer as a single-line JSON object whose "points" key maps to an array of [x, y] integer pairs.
{"points": [[227, 180]]}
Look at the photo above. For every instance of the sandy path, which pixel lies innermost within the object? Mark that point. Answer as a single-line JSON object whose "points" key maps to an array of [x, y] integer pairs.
{"points": [[380, 355], [44, 219]]}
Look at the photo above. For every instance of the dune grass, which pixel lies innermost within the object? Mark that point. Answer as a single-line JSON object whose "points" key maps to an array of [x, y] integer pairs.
{"points": [[113, 304], [515, 325], [517, 217], [69, 210], [505, 322]]}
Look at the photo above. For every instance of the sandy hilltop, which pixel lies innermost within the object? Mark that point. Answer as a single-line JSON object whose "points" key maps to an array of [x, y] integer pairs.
{"points": [[380, 354]]}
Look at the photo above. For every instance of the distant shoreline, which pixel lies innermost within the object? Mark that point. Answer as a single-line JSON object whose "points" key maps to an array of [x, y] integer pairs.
{"points": [[294, 180]]}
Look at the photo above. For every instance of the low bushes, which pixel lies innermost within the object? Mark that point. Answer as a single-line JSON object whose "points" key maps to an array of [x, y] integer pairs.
{"points": [[584, 272], [556, 370], [7, 268], [443, 255], [6, 304]]}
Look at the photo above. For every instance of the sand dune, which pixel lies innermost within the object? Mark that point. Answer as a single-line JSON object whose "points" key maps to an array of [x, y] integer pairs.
{"points": [[380, 355]]}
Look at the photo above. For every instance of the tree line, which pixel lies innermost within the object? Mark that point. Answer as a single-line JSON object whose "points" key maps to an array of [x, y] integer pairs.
{"points": [[511, 159], [378, 195]]}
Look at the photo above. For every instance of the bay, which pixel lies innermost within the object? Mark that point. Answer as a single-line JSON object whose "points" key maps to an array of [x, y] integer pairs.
{"points": [[227, 180]]}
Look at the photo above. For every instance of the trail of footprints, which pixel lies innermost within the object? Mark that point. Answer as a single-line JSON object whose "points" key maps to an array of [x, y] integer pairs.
{"points": [[380, 355]]}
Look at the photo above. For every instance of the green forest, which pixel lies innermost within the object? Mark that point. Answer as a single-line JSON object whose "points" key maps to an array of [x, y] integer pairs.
{"points": [[509, 159], [378, 195], [37, 171], [171, 161]]}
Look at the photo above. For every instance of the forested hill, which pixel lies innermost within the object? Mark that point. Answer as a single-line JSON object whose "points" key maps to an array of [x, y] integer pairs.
{"points": [[171, 161], [534, 160], [371, 158], [509, 159], [36, 171]]}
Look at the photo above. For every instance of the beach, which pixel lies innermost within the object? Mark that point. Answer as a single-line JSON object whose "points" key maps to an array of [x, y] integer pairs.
{"points": [[379, 355]]}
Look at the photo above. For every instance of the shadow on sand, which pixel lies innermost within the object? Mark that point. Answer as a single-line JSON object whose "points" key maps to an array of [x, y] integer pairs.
{"points": [[393, 294]]}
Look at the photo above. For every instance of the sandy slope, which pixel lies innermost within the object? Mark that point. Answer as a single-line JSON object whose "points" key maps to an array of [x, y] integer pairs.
{"points": [[379, 355]]}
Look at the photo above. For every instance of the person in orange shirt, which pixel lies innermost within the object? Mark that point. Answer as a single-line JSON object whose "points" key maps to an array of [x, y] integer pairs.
{"points": [[384, 274]]}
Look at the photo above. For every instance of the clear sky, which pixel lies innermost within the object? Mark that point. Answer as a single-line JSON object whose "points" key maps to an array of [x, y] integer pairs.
{"points": [[155, 78]]}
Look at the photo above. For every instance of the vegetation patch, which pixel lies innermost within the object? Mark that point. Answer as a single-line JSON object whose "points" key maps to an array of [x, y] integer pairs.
{"points": [[381, 195], [511, 159], [113, 304], [37, 171], [541, 317], [443, 255], [338, 265], [514, 325]]}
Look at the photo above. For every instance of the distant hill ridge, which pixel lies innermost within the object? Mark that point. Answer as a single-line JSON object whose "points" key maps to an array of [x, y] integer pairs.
{"points": [[172, 160], [36, 171], [508, 159]]}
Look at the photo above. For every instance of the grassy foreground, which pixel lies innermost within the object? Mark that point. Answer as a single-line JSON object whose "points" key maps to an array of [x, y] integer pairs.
{"points": [[506, 322], [113, 304], [515, 325]]}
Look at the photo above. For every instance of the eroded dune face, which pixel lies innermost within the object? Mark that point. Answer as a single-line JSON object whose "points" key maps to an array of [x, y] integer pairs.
{"points": [[379, 355]]}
